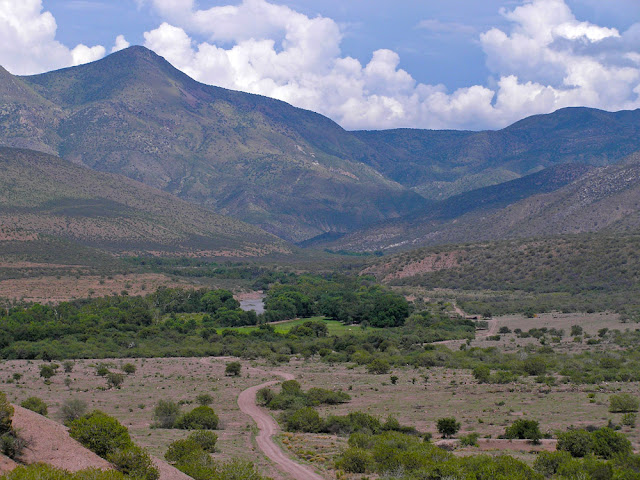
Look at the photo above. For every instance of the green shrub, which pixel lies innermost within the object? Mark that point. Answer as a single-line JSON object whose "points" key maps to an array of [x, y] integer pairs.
{"points": [[100, 433], [535, 366], [134, 462], [608, 443], [482, 373], [72, 409], [290, 387], [204, 399], [305, 419], [45, 472], [623, 403], [578, 443], [129, 368], [354, 460], [548, 463], [524, 430], [264, 396], [47, 371], [233, 369], [205, 439], [447, 427], [629, 420], [165, 414], [12, 444], [379, 366], [322, 396], [35, 404], [180, 449], [200, 418], [6, 414], [115, 380], [470, 440], [352, 423]]}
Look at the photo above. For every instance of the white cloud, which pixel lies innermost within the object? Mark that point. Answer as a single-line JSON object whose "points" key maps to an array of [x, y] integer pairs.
{"points": [[28, 44], [121, 44], [547, 60]]}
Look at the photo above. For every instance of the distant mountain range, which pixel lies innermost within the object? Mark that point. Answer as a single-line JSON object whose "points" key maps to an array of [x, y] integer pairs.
{"points": [[42, 195], [295, 173], [578, 199]]}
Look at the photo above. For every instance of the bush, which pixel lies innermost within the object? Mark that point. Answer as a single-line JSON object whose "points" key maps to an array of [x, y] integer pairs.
{"points": [[200, 418], [305, 419], [548, 463], [165, 414], [378, 366], [629, 420], [204, 399], [264, 396], [72, 409], [40, 471], [100, 433], [608, 443], [322, 396], [12, 444], [205, 439], [355, 460], [290, 387], [134, 462], [180, 449], [6, 414], [623, 403], [482, 373], [447, 427], [47, 371], [535, 366], [524, 430], [129, 368], [470, 440], [35, 404], [233, 369], [578, 443], [115, 380]]}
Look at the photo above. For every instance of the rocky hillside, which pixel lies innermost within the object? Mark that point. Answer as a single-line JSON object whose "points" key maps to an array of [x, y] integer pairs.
{"points": [[293, 172], [591, 200], [42, 196]]}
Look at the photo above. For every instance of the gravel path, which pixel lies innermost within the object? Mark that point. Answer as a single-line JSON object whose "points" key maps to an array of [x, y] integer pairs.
{"points": [[268, 427]]}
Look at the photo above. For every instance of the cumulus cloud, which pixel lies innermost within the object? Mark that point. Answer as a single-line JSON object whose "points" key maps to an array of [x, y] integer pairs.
{"points": [[547, 59], [28, 40], [121, 44]]}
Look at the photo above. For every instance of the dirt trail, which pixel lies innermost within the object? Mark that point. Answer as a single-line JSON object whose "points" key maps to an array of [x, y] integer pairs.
{"points": [[268, 427]]}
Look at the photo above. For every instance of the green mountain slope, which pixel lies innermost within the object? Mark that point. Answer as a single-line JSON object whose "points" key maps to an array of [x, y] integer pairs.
{"points": [[578, 200], [290, 171], [439, 164], [44, 195]]}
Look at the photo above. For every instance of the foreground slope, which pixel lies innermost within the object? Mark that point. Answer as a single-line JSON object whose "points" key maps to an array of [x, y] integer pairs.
{"points": [[44, 195], [293, 172]]}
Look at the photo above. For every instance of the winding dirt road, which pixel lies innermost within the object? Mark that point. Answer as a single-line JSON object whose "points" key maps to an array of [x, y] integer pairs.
{"points": [[268, 427]]}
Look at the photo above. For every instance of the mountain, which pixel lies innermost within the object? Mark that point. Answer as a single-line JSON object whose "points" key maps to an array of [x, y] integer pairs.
{"points": [[591, 200], [292, 172], [44, 196], [439, 164]]}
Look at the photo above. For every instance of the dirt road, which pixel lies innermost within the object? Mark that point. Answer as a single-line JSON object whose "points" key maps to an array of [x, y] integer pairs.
{"points": [[268, 427]]}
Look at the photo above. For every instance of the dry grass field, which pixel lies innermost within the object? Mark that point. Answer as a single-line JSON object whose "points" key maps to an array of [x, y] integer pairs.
{"points": [[419, 397]]}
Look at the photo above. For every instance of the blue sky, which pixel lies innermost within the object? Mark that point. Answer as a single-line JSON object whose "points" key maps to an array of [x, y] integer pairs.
{"points": [[364, 63]]}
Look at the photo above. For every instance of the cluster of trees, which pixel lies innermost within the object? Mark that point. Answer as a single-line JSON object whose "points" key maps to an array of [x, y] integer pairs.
{"points": [[408, 457], [291, 397], [167, 414], [346, 299]]}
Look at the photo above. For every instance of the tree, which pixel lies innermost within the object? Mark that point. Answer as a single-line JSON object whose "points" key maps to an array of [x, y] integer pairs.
{"points": [[524, 430], [482, 373], [115, 380], [379, 366], [6, 414], [200, 418], [72, 409], [166, 413], [233, 369], [535, 366], [623, 403], [305, 419], [129, 368], [448, 426], [35, 404], [47, 371], [204, 399], [100, 433]]}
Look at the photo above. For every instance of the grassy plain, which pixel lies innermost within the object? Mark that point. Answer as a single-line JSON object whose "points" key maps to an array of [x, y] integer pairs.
{"points": [[419, 397]]}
